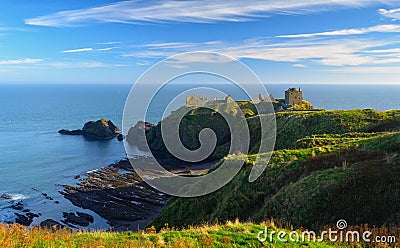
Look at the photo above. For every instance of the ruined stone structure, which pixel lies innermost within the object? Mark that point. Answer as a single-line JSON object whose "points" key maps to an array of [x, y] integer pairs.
{"points": [[193, 100], [293, 96], [262, 98]]}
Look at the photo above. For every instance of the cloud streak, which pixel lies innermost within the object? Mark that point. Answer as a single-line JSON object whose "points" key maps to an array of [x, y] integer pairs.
{"points": [[393, 14], [79, 50], [300, 52], [24, 61], [193, 11], [109, 43], [42, 63], [368, 70], [346, 32], [106, 49]]}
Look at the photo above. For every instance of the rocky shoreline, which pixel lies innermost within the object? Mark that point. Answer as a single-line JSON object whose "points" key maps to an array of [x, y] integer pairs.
{"points": [[117, 194]]}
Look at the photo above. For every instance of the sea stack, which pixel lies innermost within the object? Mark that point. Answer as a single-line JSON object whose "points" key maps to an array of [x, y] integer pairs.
{"points": [[100, 129]]}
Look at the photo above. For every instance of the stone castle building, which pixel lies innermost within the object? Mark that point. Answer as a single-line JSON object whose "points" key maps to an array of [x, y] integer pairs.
{"points": [[293, 96]]}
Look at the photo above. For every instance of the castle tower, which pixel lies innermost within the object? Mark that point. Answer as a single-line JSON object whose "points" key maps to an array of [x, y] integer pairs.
{"points": [[293, 96]]}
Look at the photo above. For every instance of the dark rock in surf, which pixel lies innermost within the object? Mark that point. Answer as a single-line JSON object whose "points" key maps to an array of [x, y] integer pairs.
{"points": [[71, 132], [101, 129], [26, 219], [49, 223], [78, 218], [6, 196], [120, 137]]}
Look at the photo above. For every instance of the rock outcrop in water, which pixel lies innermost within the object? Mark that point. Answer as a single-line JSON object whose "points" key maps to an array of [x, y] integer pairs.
{"points": [[71, 132], [101, 129]]}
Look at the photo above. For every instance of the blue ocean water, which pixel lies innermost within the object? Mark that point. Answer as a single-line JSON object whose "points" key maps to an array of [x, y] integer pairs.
{"points": [[34, 157]]}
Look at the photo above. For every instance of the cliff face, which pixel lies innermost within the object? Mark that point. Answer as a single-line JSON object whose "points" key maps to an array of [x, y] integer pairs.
{"points": [[327, 166], [291, 127], [135, 134], [190, 126]]}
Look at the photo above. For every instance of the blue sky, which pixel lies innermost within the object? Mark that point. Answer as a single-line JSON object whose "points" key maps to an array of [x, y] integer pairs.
{"points": [[315, 41]]}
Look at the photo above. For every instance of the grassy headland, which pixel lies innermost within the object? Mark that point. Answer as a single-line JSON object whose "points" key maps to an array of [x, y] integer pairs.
{"points": [[328, 165]]}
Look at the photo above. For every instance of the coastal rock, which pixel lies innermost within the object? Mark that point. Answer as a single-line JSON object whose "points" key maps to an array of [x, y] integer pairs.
{"points": [[136, 134], [85, 216], [101, 129], [71, 132], [120, 137], [117, 194], [26, 219], [18, 206], [49, 223], [78, 218], [6, 196]]}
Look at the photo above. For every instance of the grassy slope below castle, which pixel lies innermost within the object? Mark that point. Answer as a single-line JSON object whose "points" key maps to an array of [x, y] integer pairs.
{"points": [[328, 165]]}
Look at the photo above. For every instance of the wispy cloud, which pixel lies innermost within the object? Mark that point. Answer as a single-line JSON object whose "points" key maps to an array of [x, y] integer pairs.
{"points": [[43, 63], [24, 61], [109, 43], [368, 70], [143, 63], [205, 11], [302, 52], [78, 64], [79, 50], [106, 49], [393, 14], [7, 28], [344, 32], [300, 65]]}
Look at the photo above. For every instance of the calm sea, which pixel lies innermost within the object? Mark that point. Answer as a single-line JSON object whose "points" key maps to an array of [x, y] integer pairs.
{"points": [[34, 157]]}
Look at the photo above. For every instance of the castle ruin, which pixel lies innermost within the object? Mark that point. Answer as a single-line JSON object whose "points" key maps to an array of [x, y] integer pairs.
{"points": [[193, 100], [293, 96]]}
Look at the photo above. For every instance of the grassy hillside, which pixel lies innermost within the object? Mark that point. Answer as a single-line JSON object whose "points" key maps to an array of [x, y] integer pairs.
{"points": [[291, 126], [328, 166], [230, 234]]}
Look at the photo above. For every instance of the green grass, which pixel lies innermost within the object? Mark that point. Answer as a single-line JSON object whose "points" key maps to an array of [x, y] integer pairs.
{"points": [[309, 187], [230, 234]]}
